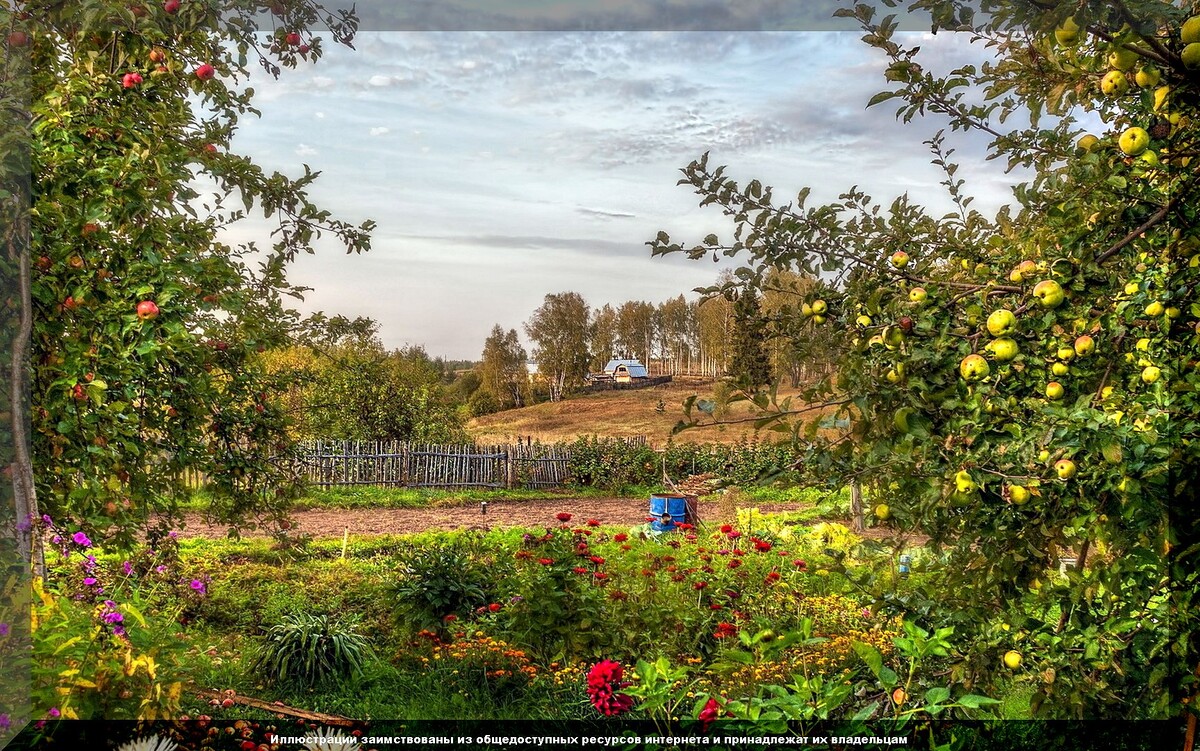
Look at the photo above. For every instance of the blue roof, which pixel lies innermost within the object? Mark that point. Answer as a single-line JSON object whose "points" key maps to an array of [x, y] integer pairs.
{"points": [[634, 367]]}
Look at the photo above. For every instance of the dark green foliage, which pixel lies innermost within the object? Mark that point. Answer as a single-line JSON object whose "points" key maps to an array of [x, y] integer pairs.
{"points": [[750, 364], [615, 463], [452, 576], [309, 649]]}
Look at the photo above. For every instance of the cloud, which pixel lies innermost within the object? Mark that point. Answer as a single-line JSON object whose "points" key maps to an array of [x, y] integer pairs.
{"points": [[378, 80], [604, 213], [304, 149], [379, 131], [319, 115]]}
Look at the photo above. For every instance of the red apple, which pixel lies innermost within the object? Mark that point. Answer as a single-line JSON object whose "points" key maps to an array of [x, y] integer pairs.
{"points": [[147, 310], [78, 393], [129, 80], [70, 303], [303, 49], [293, 39], [906, 324], [170, 6], [89, 228], [205, 72], [18, 39], [158, 55], [210, 148]]}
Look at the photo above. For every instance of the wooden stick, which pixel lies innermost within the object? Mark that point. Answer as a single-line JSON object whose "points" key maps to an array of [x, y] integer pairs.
{"points": [[279, 708]]}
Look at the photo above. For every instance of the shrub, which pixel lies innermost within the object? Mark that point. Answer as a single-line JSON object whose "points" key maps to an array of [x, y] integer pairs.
{"points": [[309, 649], [452, 575]]}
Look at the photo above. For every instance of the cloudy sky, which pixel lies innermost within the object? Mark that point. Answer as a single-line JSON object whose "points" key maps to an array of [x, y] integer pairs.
{"points": [[502, 166]]}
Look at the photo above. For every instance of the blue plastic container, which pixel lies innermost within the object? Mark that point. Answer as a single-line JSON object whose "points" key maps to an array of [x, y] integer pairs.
{"points": [[675, 505]]}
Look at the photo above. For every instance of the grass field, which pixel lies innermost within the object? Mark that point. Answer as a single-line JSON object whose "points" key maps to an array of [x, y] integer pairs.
{"points": [[619, 414]]}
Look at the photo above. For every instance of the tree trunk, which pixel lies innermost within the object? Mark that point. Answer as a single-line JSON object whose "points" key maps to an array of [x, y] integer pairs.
{"points": [[856, 510]]}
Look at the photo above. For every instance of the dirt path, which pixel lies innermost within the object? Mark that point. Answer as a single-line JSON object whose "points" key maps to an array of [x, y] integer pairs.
{"points": [[333, 522]]}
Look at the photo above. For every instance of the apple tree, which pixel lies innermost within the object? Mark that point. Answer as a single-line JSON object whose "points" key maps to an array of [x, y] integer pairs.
{"points": [[1021, 387], [143, 323]]}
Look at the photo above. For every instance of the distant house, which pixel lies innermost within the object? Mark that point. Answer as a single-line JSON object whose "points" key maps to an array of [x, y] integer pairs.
{"points": [[625, 371]]}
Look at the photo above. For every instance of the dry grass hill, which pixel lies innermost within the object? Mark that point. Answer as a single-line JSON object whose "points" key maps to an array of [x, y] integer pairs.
{"points": [[626, 413]]}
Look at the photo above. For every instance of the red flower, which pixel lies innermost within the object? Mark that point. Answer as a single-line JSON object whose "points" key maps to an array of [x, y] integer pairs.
{"points": [[545, 561], [603, 683], [762, 546], [725, 630], [685, 526], [734, 535], [597, 560], [714, 606], [620, 537], [601, 575], [563, 517], [626, 547], [522, 554], [735, 563], [450, 618], [593, 522], [726, 528], [739, 551], [709, 713], [772, 577], [699, 585], [580, 570], [800, 564], [494, 607]]}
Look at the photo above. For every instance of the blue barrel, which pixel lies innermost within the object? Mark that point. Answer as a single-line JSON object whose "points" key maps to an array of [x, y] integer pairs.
{"points": [[675, 505]]}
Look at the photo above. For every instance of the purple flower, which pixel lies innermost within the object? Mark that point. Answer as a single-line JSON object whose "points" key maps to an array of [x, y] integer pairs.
{"points": [[89, 564], [54, 714], [127, 567], [57, 539], [5, 722], [47, 520], [118, 630], [159, 569], [24, 525], [198, 585], [113, 617], [172, 534], [89, 581], [4, 629], [110, 603], [81, 539]]}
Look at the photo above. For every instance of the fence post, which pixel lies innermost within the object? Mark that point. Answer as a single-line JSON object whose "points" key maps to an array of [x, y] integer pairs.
{"points": [[404, 465], [510, 469], [856, 509]]}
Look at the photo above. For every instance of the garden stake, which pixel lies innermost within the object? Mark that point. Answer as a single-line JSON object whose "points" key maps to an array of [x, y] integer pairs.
{"points": [[345, 539]]}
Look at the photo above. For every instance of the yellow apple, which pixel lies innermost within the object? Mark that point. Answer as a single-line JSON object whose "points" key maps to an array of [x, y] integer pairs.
{"points": [[882, 511], [1155, 309], [1068, 33], [1055, 390], [1065, 353], [1151, 374], [1147, 76], [899, 259], [1003, 349], [863, 321], [1114, 83], [1088, 143], [1134, 141], [974, 367], [918, 295], [964, 482], [1132, 288], [1191, 56], [1190, 31], [1001, 322], [819, 307], [1012, 659], [1017, 494], [1049, 293], [1084, 345], [1064, 468], [1060, 369]]}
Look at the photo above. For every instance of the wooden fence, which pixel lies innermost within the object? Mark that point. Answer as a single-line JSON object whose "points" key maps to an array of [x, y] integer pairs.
{"points": [[637, 383], [398, 464]]}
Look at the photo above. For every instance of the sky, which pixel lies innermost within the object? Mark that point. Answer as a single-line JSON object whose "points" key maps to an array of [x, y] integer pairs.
{"points": [[503, 166]]}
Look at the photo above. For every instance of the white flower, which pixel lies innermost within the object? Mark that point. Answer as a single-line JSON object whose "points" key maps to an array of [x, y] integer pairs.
{"points": [[327, 739], [150, 743]]}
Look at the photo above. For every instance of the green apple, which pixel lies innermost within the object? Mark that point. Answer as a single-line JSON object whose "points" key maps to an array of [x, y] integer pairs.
{"points": [[1143, 345], [1012, 659], [918, 295], [1001, 322], [1055, 390], [1049, 293], [1161, 96], [1114, 83], [819, 307], [899, 259], [974, 367], [1084, 345], [1191, 56], [1147, 76], [882, 511], [1043, 456], [818, 319], [1067, 34], [1123, 59], [962, 499], [1017, 495], [1065, 353], [1134, 141], [806, 310], [1132, 288], [893, 337], [1088, 143], [1060, 369], [896, 374], [863, 321], [1003, 349], [1150, 374], [1155, 309], [1064, 468], [900, 418], [964, 482]]}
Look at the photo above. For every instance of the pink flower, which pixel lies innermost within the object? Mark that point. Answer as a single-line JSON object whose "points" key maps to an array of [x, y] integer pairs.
{"points": [[709, 713]]}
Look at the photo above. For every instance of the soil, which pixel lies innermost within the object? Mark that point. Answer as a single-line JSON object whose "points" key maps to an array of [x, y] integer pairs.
{"points": [[335, 522]]}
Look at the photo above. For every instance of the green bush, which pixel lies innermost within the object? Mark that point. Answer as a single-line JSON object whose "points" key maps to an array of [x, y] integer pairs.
{"points": [[451, 575], [308, 650]]}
